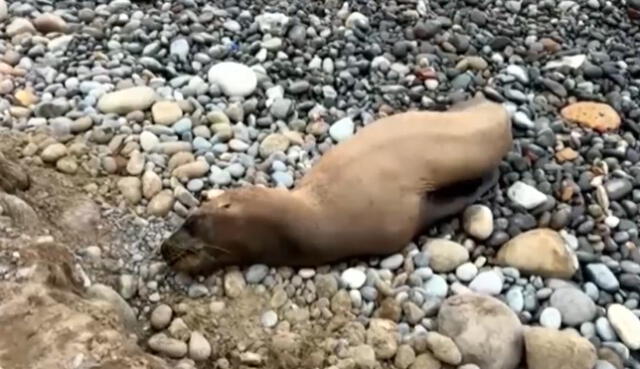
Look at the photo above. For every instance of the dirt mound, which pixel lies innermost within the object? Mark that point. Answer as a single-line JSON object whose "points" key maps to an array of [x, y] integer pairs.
{"points": [[47, 319]]}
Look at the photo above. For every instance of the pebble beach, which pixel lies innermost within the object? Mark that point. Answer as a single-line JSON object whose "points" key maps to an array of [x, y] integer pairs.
{"points": [[176, 98]]}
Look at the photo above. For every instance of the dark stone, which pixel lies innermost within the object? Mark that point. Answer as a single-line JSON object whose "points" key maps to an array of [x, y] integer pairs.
{"points": [[426, 30], [500, 42], [618, 188], [478, 17], [555, 87]]}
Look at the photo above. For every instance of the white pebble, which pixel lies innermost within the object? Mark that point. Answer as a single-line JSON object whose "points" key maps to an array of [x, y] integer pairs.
{"points": [[551, 318], [466, 271], [488, 282], [342, 129], [525, 195], [269, 319], [353, 278], [199, 347]]}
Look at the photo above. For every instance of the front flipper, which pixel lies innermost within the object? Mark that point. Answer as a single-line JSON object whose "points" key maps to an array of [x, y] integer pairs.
{"points": [[450, 200]]}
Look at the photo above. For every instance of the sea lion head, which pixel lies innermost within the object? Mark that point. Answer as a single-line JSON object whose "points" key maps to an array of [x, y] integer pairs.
{"points": [[233, 227]]}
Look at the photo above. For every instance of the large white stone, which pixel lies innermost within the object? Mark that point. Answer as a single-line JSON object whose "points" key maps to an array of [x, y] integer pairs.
{"points": [[626, 324], [127, 100], [234, 79], [525, 195]]}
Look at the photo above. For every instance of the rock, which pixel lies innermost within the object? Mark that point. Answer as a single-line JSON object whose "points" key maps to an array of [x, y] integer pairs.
{"points": [[617, 188], [127, 286], [131, 189], [161, 204], [540, 252], [405, 356], [234, 79], [19, 26], [4, 12], [53, 152], [436, 286], [67, 165], [48, 23], [466, 272], [525, 195], [342, 129], [566, 154], [178, 329], [256, 273], [269, 319], [127, 100], [166, 113], [356, 19], [426, 361], [105, 293], [195, 169], [392, 262], [551, 318], [148, 141], [354, 278], [598, 116], [136, 162], [445, 255], [626, 324], [443, 348], [364, 356], [168, 346], [485, 330], [26, 97], [549, 348], [602, 364], [234, 283], [151, 184], [488, 282], [161, 317], [381, 335], [605, 329], [602, 276], [273, 143], [574, 305], [478, 221], [199, 347]]}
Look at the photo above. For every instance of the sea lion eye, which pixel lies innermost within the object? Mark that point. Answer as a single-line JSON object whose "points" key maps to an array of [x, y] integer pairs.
{"points": [[226, 205], [189, 225]]}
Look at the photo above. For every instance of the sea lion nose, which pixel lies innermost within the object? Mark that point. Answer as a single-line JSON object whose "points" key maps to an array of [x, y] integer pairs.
{"points": [[167, 249]]}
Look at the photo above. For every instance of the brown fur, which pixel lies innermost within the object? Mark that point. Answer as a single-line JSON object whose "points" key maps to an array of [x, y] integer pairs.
{"points": [[369, 195]]}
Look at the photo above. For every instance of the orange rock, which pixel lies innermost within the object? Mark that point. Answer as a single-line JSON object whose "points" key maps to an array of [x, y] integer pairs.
{"points": [[26, 97], [550, 45], [601, 117], [566, 154]]}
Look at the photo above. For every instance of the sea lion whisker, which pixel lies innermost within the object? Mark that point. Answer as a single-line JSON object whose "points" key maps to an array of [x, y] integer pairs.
{"points": [[221, 249]]}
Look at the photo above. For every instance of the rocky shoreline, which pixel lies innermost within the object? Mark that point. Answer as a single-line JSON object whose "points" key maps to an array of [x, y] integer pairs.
{"points": [[169, 99]]}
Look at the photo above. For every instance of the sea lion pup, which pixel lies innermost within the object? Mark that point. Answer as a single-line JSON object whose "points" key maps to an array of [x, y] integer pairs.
{"points": [[369, 195]]}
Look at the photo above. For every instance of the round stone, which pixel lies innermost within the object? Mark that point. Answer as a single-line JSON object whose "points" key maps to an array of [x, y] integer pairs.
{"points": [[466, 272], [353, 278], [488, 282], [234, 79], [574, 305], [269, 319], [551, 318], [478, 221], [256, 273]]}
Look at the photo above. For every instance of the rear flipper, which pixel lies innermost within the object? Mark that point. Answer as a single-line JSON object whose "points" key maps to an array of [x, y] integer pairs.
{"points": [[451, 200]]}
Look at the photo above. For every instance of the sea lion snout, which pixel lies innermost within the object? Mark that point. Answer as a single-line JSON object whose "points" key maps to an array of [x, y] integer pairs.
{"points": [[187, 248]]}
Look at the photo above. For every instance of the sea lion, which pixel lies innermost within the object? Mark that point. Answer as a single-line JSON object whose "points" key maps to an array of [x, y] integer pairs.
{"points": [[370, 195]]}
